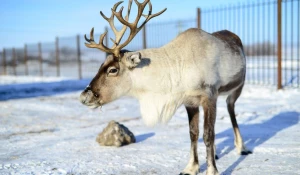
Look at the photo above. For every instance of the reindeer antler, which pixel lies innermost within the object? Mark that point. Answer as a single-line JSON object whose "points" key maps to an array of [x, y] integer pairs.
{"points": [[134, 29]]}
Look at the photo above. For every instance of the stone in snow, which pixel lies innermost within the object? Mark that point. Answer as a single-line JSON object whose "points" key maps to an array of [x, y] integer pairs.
{"points": [[115, 134]]}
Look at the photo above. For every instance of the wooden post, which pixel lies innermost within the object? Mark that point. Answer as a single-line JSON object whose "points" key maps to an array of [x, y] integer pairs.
{"points": [[14, 60], [279, 45], [79, 57], [144, 38], [25, 59], [40, 58], [199, 18], [4, 62], [57, 57]]}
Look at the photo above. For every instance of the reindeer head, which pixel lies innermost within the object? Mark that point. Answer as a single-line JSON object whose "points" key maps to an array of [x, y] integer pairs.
{"points": [[112, 80]]}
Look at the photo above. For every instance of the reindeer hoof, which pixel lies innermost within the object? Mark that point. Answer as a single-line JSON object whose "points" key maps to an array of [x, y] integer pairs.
{"points": [[246, 152]]}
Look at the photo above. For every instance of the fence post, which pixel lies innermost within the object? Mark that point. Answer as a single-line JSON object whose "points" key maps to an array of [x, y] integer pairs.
{"points": [[40, 58], [14, 60], [4, 62], [279, 45], [199, 18], [79, 57], [25, 59], [144, 38], [57, 56]]}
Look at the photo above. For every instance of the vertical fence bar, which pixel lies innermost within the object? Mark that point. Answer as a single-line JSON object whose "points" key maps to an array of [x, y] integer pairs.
{"points": [[252, 46], [269, 46], [14, 61], [263, 57], [25, 59], [214, 20], [210, 19], [279, 83], [285, 43], [57, 56], [274, 47], [292, 58], [4, 62], [79, 57], [234, 19], [239, 17], [144, 37], [40, 58], [244, 35], [257, 47], [220, 18], [199, 18], [298, 46], [224, 17], [248, 35]]}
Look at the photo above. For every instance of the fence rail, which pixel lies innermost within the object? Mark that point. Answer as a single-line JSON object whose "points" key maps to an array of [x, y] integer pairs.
{"points": [[269, 30]]}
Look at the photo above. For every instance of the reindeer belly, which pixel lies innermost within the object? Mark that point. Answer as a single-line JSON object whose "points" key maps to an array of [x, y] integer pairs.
{"points": [[236, 81]]}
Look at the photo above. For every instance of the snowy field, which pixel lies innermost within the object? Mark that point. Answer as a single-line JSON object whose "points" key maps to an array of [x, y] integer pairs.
{"points": [[52, 133]]}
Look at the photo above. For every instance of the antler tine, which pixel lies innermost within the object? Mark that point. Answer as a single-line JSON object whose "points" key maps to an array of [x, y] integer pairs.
{"points": [[115, 43], [91, 36], [117, 4], [150, 10], [148, 17], [141, 7], [120, 17], [128, 11], [111, 19], [102, 39], [144, 3], [103, 16], [92, 44], [114, 8], [118, 34], [134, 29], [133, 26], [124, 28], [157, 14]]}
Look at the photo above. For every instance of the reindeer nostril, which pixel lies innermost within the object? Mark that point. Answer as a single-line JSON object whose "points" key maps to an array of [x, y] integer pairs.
{"points": [[87, 89]]}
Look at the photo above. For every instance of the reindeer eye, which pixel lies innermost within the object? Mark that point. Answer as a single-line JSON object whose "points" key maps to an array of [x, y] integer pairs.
{"points": [[113, 71]]}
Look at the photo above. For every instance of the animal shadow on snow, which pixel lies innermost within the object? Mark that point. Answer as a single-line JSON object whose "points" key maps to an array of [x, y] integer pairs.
{"points": [[253, 135], [142, 137]]}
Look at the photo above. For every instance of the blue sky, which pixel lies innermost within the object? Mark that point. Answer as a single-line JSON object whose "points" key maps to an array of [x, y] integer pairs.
{"points": [[31, 21]]}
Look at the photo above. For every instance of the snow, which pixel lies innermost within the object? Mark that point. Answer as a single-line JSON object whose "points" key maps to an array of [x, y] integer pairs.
{"points": [[10, 79], [50, 133], [48, 86]]}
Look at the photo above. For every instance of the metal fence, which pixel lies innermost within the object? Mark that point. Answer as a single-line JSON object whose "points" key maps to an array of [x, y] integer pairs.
{"points": [[269, 30]]}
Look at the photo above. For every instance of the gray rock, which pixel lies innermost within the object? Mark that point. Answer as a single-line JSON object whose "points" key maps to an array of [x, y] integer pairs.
{"points": [[115, 134]]}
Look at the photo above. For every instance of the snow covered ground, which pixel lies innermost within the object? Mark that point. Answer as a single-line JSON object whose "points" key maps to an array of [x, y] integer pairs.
{"points": [[47, 133]]}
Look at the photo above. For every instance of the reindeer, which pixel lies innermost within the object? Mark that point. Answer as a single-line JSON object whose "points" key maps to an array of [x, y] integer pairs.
{"points": [[192, 70]]}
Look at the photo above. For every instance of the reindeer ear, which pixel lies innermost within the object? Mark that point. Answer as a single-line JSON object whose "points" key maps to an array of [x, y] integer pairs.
{"points": [[133, 59]]}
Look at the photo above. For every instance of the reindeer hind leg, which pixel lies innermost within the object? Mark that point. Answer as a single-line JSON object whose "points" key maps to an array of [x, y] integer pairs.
{"points": [[238, 140]]}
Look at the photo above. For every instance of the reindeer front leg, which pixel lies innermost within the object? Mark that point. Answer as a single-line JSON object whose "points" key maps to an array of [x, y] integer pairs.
{"points": [[192, 167], [209, 107]]}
